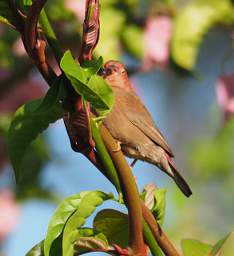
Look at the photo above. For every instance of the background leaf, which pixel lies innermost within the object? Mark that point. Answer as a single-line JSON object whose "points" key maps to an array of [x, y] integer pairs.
{"points": [[224, 247], [30, 120], [192, 247], [114, 225], [192, 24]]}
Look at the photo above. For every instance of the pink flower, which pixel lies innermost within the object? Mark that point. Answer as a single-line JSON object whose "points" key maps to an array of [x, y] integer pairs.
{"points": [[9, 213], [225, 94], [157, 41], [18, 48], [77, 7]]}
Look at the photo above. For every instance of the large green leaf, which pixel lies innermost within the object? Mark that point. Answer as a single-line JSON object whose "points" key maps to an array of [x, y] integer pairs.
{"points": [[37, 250], [192, 247], [31, 119], [114, 225], [86, 207], [193, 23], [81, 206], [92, 88]]}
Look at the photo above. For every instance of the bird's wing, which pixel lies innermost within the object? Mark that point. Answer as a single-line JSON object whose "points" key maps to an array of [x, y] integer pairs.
{"points": [[139, 116]]}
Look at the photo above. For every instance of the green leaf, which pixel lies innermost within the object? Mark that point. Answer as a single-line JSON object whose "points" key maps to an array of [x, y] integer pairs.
{"points": [[30, 120], [160, 204], [224, 247], [93, 89], [192, 247], [133, 41], [37, 250], [89, 240], [88, 203], [91, 67], [81, 205], [114, 225], [192, 24]]}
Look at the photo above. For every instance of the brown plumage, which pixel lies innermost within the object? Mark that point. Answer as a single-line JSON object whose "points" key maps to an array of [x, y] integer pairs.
{"points": [[131, 124]]}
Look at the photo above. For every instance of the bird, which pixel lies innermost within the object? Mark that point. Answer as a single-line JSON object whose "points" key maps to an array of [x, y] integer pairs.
{"points": [[132, 126]]}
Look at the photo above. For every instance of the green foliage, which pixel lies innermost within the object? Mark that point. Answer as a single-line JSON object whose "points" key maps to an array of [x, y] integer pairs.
{"points": [[37, 250], [114, 225], [213, 157], [90, 240], [30, 120], [192, 247], [133, 41], [192, 24], [112, 23], [90, 86], [160, 204], [69, 217], [155, 200], [6, 15], [224, 247]]}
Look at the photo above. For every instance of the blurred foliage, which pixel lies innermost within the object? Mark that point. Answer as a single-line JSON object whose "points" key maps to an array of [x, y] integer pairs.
{"points": [[213, 158]]}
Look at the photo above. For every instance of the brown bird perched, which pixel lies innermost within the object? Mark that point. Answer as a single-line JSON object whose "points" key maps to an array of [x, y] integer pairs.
{"points": [[131, 124]]}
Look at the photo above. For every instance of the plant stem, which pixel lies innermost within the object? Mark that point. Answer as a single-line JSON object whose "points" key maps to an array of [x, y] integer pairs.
{"points": [[50, 35], [130, 193]]}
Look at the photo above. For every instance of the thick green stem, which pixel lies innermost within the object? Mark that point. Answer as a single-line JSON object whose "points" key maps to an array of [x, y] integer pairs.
{"points": [[50, 35], [150, 240]]}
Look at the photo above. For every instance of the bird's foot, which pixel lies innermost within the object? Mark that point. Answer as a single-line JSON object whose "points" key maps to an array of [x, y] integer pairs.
{"points": [[133, 163], [118, 148]]}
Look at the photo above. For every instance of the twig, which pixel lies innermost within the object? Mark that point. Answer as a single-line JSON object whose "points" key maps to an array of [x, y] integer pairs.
{"points": [[35, 45], [130, 193]]}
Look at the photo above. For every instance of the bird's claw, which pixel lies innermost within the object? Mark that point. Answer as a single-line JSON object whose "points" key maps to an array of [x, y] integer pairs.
{"points": [[118, 148]]}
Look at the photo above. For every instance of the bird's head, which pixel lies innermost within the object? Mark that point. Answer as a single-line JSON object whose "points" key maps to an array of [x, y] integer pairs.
{"points": [[116, 75], [113, 67]]}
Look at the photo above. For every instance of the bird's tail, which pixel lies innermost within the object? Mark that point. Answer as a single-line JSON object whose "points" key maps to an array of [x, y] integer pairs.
{"points": [[179, 180]]}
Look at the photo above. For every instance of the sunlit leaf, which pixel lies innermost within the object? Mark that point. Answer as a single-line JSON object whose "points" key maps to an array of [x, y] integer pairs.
{"points": [[37, 250], [160, 204], [114, 225], [93, 89], [32, 119], [192, 247], [86, 207], [192, 24], [68, 217]]}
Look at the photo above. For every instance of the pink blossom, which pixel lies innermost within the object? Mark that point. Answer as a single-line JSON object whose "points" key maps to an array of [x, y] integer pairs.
{"points": [[23, 92], [9, 213], [77, 7], [18, 48], [225, 94], [157, 41]]}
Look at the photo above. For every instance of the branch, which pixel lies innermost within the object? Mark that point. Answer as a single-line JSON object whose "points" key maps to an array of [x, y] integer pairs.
{"points": [[130, 193], [34, 44]]}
